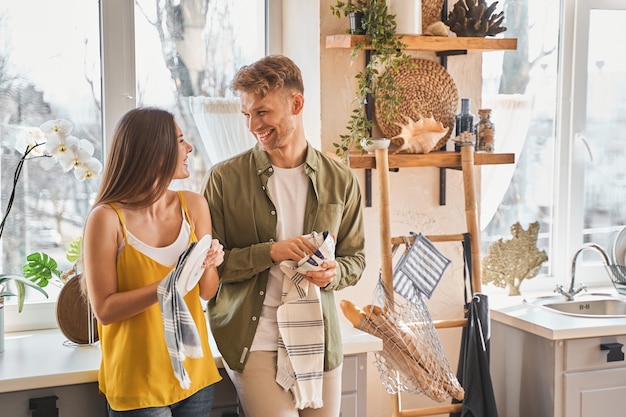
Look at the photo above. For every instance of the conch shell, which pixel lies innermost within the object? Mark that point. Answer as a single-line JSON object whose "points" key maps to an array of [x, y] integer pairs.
{"points": [[419, 137], [437, 29]]}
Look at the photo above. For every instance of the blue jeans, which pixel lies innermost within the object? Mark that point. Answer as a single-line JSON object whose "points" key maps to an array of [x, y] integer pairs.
{"points": [[198, 405]]}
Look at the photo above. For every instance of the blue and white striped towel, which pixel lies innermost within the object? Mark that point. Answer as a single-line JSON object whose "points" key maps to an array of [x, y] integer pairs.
{"points": [[300, 361], [181, 334], [420, 269]]}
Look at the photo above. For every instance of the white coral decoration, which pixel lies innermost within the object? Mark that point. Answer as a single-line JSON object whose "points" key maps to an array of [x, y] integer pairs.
{"points": [[419, 136]]}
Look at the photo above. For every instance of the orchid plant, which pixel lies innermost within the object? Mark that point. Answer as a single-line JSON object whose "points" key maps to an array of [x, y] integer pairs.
{"points": [[52, 140]]}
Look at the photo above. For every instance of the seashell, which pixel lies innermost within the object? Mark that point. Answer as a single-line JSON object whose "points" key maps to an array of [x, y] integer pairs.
{"points": [[419, 136], [437, 29]]}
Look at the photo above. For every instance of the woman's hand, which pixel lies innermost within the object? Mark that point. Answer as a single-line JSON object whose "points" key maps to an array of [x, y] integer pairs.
{"points": [[215, 255]]}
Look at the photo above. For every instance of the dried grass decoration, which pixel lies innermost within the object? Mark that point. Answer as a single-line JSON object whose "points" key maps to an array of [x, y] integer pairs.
{"points": [[427, 92]]}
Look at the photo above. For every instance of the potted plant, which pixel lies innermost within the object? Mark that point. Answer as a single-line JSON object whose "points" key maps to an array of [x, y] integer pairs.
{"points": [[74, 316], [41, 268], [375, 82], [71, 153], [20, 284]]}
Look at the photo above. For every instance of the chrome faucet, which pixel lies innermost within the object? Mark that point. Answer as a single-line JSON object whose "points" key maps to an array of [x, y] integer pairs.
{"points": [[572, 291]]}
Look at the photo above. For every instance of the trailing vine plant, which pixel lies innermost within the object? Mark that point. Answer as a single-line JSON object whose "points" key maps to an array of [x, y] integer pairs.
{"points": [[375, 82]]}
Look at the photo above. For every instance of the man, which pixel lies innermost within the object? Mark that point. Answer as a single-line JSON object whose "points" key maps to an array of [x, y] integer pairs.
{"points": [[265, 203]]}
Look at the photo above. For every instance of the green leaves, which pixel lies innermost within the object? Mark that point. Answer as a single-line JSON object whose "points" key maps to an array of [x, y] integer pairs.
{"points": [[74, 250], [375, 83], [20, 285], [41, 269]]}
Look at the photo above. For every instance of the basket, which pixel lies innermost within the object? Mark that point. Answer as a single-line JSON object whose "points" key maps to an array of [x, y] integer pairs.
{"points": [[427, 90], [74, 316], [431, 12]]}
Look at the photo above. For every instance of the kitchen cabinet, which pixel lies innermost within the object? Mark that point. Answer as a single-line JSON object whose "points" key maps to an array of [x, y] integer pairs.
{"points": [[353, 390], [70, 374], [84, 399], [545, 377]]}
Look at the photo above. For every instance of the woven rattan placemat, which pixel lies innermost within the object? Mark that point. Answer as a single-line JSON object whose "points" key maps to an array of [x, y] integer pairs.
{"points": [[431, 12], [428, 90]]}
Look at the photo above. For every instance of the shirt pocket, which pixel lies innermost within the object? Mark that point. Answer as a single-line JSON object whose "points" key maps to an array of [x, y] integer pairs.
{"points": [[328, 217]]}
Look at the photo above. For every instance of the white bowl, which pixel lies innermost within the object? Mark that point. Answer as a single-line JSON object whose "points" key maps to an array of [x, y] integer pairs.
{"points": [[374, 143]]}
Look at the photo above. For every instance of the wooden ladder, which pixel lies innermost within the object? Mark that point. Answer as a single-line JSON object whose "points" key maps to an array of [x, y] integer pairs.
{"points": [[471, 219]]}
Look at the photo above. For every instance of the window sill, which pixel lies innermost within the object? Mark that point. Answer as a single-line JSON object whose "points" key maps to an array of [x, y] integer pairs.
{"points": [[36, 315]]}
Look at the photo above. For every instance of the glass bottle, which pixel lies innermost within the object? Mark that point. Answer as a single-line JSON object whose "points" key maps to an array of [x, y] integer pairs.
{"points": [[485, 131], [464, 123]]}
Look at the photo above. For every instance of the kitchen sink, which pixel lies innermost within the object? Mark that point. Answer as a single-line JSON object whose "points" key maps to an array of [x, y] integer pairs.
{"points": [[587, 305]]}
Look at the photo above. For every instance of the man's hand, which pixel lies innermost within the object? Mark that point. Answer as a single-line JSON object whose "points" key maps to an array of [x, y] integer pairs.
{"points": [[291, 249], [325, 276]]}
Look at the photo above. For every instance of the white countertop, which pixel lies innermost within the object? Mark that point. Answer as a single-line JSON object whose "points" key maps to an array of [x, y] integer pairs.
{"points": [[514, 312], [39, 359]]}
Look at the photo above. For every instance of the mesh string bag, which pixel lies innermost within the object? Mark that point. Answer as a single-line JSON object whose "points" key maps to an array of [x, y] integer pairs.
{"points": [[412, 359]]}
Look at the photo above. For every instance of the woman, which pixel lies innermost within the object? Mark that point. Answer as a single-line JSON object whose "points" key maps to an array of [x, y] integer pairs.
{"points": [[132, 239]]}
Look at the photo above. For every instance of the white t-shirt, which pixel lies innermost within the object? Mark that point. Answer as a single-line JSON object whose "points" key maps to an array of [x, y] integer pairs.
{"points": [[288, 188]]}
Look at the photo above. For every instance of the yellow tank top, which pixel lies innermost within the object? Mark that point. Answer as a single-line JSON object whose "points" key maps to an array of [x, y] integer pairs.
{"points": [[135, 371]]}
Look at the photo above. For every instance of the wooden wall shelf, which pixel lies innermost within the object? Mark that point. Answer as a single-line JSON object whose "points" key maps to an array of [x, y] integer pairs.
{"points": [[440, 159], [432, 43]]}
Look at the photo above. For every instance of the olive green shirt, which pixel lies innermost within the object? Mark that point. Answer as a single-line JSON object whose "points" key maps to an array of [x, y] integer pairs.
{"points": [[244, 220]]}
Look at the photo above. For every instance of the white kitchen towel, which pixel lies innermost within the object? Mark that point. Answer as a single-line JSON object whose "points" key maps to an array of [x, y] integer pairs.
{"points": [[181, 334], [300, 361]]}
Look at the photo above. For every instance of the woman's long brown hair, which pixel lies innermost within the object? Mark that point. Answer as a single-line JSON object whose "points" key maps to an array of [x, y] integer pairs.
{"points": [[142, 158]]}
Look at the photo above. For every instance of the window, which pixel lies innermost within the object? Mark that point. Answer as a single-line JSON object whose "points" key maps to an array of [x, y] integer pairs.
{"points": [[194, 54], [55, 74], [181, 49], [567, 130]]}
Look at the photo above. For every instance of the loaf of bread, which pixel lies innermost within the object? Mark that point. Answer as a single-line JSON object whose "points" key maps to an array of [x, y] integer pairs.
{"points": [[404, 351]]}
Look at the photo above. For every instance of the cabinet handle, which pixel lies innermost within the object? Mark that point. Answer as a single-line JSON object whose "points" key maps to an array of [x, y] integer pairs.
{"points": [[615, 351]]}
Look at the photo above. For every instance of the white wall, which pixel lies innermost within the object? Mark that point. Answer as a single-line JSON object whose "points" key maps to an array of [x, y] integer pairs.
{"points": [[330, 85]]}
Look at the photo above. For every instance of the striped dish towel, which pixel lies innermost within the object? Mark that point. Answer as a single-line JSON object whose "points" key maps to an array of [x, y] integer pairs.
{"points": [[419, 269], [300, 360], [181, 334]]}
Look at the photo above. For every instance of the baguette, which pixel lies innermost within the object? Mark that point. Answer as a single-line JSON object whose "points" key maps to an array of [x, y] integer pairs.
{"points": [[409, 345], [354, 314], [404, 351]]}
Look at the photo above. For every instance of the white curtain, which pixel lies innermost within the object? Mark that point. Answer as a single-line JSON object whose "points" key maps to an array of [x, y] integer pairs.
{"points": [[221, 125], [511, 117]]}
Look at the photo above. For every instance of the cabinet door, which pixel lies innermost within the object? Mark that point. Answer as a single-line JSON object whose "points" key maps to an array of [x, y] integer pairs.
{"points": [[594, 393], [354, 385]]}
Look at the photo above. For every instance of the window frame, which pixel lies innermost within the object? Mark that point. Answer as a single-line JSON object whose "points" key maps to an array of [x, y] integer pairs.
{"points": [[117, 46], [571, 153]]}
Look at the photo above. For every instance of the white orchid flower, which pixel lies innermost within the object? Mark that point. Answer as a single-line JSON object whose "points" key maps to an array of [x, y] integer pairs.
{"points": [[78, 152], [85, 147], [88, 169], [57, 127], [63, 149], [31, 141]]}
